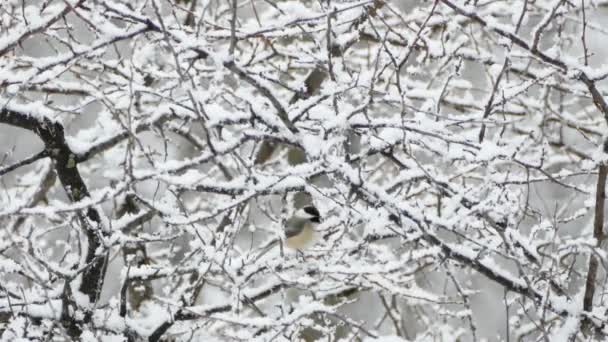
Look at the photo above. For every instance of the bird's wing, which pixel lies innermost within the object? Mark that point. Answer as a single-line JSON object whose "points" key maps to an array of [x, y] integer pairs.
{"points": [[293, 227]]}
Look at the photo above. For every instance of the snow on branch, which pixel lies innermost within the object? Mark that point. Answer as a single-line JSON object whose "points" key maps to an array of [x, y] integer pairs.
{"points": [[303, 170]]}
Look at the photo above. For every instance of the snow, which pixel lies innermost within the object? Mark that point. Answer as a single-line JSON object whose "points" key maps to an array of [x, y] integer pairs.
{"points": [[510, 213], [34, 109]]}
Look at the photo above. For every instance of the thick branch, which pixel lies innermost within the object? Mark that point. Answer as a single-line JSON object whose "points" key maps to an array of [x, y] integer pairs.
{"points": [[598, 234], [65, 163]]}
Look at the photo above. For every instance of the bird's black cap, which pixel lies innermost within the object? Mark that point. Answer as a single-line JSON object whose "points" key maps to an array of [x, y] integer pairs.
{"points": [[314, 212]]}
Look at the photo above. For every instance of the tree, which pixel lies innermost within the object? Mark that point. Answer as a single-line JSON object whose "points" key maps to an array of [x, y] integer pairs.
{"points": [[455, 149]]}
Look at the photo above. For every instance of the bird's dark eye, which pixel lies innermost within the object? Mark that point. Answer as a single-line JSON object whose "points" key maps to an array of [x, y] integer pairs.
{"points": [[312, 211]]}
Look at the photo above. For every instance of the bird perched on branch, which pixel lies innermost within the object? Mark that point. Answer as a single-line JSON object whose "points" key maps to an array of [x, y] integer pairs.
{"points": [[300, 228]]}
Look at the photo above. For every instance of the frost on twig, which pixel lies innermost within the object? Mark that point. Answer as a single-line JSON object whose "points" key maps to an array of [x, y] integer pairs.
{"points": [[151, 152]]}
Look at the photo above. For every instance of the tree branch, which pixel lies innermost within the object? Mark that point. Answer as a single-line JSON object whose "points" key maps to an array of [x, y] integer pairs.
{"points": [[65, 163], [598, 234]]}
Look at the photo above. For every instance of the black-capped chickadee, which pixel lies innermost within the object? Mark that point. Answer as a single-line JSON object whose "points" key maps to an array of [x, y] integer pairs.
{"points": [[299, 229]]}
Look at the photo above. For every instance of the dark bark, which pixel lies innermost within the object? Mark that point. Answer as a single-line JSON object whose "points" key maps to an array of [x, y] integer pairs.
{"points": [[66, 167]]}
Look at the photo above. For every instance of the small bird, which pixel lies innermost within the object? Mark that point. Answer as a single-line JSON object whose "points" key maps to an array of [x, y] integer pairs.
{"points": [[299, 229]]}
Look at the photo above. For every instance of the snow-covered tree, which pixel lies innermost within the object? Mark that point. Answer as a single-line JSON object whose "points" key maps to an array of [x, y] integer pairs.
{"points": [[153, 151]]}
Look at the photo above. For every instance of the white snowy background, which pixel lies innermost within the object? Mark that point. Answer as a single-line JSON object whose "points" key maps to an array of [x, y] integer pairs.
{"points": [[198, 129]]}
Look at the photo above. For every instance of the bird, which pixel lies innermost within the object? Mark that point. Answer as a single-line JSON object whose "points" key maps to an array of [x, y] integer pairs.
{"points": [[300, 228]]}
